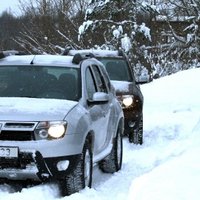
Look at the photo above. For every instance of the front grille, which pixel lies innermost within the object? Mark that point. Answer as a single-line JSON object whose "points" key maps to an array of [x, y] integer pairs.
{"points": [[16, 135], [19, 125]]}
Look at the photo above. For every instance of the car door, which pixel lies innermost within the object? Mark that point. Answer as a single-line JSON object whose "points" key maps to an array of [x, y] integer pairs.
{"points": [[99, 112], [106, 108]]}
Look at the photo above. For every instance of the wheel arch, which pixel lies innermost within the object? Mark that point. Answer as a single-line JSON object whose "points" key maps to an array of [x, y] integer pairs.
{"points": [[120, 126], [90, 139]]}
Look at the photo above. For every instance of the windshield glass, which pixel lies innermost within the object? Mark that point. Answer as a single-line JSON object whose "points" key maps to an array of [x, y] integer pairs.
{"points": [[117, 69], [39, 82]]}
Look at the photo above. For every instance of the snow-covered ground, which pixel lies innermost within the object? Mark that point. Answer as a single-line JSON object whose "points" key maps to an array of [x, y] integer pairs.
{"points": [[166, 167]]}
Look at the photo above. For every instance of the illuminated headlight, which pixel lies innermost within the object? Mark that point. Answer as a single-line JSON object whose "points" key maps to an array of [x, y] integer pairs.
{"points": [[127, 100], [55, 129]]}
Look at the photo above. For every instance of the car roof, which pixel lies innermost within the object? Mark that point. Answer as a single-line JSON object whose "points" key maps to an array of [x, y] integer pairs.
{"points": [[44, 60], [95, 53]]}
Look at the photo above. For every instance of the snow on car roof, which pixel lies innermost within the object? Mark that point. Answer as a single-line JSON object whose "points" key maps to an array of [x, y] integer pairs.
{"points": [[55, 60], [96, 52]]}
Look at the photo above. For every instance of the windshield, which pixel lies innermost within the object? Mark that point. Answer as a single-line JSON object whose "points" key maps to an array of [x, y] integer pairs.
{"points": [[117, 69], [39, 82]]}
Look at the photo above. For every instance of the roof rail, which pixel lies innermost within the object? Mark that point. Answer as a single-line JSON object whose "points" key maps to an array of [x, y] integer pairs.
{"points": [[83, 54], [66, 52], [88, 55], [78, 57]]}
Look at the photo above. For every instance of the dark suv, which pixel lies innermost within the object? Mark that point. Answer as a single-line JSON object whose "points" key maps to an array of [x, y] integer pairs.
{"points": [[127, 89]]}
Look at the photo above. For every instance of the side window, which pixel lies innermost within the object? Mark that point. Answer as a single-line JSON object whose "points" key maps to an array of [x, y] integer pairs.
{"points": [[99, 79], [90, 84], [107, 80]]}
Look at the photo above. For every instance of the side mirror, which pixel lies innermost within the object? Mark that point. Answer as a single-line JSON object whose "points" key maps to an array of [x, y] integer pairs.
{"points": [[99, 98], [143, 79]]}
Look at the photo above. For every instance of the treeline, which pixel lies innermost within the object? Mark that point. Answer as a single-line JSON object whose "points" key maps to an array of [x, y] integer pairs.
{"points": [[45, 26], [155, 34], [9, 29]]}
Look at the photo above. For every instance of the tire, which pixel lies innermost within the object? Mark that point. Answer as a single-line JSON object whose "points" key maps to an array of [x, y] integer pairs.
{"points": [[136, 135], [113, 162], [81, 176]]}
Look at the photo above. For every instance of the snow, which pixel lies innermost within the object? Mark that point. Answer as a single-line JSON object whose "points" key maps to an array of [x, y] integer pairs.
{"points": [[84, 27], [144, 29], [96, 52], [166, 166], [166, 179], [117, 31], [126, 43], [48, 60], [27, 109], [102, 3], [121, 86]]}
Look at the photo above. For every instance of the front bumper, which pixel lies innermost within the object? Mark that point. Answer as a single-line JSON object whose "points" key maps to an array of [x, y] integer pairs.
{"points": [[131, 119], [32, 166], [132, 114]]}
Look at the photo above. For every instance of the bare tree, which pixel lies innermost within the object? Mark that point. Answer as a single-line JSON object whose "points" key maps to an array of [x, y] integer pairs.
{"points": [[181, 20], [9, 28], [52, 24]]}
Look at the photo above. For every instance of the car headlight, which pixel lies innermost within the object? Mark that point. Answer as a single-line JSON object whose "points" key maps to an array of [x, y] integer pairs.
{"points": [[127, 100], [54, 129]]}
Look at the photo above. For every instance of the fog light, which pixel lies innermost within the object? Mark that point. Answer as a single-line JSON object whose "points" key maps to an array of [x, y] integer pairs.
{"points": [[43, 133], [131, 124], [62, 165], [45, 175]]}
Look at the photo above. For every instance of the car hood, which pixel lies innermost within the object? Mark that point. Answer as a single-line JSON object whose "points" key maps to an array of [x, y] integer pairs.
{"points": [[123, 87], [31, 109]]}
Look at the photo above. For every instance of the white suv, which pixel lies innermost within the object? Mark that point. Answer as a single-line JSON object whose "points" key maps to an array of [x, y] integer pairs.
{"points": [[59, 116]]}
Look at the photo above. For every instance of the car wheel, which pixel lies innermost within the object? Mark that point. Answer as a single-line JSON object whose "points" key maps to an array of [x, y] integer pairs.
{"points": [[113, 162], [81, 176], [136, 135]]}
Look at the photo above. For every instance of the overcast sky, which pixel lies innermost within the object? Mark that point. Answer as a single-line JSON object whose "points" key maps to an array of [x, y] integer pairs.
{"points": [[9, 5]]}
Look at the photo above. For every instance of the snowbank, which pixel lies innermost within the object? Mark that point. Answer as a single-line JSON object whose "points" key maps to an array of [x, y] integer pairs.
{"points": [[166, 167]]}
